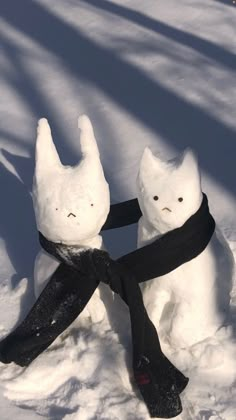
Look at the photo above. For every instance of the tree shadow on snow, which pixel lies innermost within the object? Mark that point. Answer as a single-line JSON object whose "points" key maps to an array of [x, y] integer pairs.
{"points": [[17, 225], [205, 47], [175, 119], [26, 87]]}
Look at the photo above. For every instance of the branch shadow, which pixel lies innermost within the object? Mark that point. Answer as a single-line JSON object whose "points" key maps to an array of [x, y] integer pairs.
{"points": [[23, 82], [17, 221], [18, 230], [207, 48], [176, 120]]}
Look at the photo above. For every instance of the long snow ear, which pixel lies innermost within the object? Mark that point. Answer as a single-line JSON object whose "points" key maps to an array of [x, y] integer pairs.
{"points": [[90, 167], [88, 142], [46, 156]]}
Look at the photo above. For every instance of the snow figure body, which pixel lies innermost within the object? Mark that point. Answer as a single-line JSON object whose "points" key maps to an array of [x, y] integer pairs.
{"points": [[71, 204], [190, 303]]}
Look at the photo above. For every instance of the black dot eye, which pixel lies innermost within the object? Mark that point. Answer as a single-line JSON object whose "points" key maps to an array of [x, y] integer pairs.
{"points": [[180, 199], [56, 208], [155, 197], [91, 205]]}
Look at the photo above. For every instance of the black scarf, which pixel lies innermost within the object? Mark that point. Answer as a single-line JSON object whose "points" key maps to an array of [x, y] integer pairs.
{"points": [[76, 279], [171, 250]]}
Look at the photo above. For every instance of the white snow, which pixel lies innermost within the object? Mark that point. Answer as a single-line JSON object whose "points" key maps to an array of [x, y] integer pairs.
{"points": [[71, 204], [161, 185], [153, 73]]}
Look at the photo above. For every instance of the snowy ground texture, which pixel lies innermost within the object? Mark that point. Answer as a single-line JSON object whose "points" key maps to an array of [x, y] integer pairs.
{"points": [[154, 72]]}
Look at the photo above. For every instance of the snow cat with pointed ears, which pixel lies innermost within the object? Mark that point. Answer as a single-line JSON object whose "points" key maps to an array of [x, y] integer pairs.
{"points": [[190, 303]]}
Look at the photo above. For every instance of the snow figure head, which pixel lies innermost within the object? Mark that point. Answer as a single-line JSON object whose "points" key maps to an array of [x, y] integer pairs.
{"points": [[168, 192], [71, 203]]}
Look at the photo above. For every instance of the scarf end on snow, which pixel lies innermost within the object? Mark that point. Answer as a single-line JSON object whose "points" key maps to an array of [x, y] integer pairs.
{"points": [[160, 384]]}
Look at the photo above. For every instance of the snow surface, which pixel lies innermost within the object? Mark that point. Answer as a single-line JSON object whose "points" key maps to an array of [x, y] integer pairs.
{"points": [[151, 73]]}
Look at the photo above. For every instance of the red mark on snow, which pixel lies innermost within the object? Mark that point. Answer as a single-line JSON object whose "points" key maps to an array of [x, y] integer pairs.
{"points": [[142, 379]]}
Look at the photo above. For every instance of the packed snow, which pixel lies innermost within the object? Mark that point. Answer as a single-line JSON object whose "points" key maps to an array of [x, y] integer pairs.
{"points": [[192, 302], [154, 73]]}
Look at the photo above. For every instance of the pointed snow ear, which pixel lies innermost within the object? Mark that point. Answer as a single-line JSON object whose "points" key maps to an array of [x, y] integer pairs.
{"points": [[189, 163], [46, 156], [88, 142], [150, 166], [90, 166]]}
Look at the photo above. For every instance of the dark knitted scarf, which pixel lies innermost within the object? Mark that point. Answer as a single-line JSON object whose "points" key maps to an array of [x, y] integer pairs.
{"points": [[77, 277], [169, 251]]}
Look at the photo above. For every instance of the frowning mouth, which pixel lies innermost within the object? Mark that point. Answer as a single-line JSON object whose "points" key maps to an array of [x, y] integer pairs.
{"points": [[71, 214], [167, 209]]}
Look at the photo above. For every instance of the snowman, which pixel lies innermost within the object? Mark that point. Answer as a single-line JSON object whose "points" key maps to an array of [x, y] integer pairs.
{"points": [[190, 303], [71, 204]]}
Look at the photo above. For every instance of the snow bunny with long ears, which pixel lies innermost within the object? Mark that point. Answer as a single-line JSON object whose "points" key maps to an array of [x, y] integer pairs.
{"points": [[71, 204], [190, 303]]}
